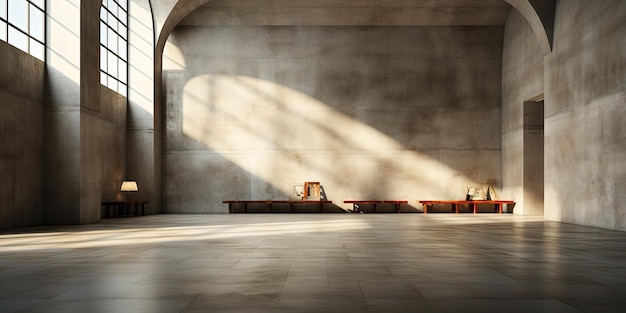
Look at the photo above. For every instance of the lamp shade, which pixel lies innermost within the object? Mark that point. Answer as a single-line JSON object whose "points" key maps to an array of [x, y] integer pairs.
{"points": [[129, 185]]}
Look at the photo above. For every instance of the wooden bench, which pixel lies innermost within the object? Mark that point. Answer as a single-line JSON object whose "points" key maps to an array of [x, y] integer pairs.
{"points": [[123, 206], [355, 204], [271, 202], [473, 204]]}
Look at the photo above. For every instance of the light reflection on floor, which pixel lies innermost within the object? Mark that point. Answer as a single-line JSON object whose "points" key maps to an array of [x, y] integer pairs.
{"points": [[314, 263]]}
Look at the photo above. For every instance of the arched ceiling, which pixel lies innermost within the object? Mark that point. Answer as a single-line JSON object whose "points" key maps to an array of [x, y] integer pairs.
{"points": [[350, 12], [170, 13]]}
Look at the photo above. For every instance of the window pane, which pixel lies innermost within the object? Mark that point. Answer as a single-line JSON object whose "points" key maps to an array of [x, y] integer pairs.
{"points": [[112, 84], [36, 24], [113, 8], [37, 49], [123, 17], [103, 15], [123, 73], [103, 58], [103, 78], [123, 4], [122, 51], [112, 42], [112, 21], [18, 39], [18, 14], [112, 69], [123, 31], [123, 90], [3, 31], [103, 33], [39, 3], [3, 9]]}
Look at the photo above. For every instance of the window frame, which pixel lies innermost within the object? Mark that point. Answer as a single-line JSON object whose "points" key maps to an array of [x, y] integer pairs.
{"points": [[10, 28], [114, 33]]}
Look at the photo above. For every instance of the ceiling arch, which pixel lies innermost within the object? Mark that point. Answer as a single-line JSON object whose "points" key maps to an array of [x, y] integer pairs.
{"points": [[539, 14]]}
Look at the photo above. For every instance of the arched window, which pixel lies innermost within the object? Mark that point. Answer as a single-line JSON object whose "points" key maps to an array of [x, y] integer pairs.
{"points": [[114, 45], [22, 24]]}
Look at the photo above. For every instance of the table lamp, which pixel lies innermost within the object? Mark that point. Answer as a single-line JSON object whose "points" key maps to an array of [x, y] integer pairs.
{"points": [[128, 186]]}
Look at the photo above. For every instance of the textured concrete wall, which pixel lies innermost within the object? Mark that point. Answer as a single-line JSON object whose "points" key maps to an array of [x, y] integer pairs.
{"points": [[112, 138], [585, 124], [371, 112], [91, 176], [522, 80], [21, 138]]}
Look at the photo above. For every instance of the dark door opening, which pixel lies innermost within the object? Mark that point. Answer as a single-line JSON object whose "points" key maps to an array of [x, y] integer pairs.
{"points": [[533, 156]]}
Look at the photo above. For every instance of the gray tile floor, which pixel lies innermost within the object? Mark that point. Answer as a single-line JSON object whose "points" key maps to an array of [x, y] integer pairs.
{"points": [[314, 263]]}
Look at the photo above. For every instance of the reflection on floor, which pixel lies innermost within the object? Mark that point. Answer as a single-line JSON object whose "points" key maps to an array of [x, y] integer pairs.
{"points": [[314, 263]]}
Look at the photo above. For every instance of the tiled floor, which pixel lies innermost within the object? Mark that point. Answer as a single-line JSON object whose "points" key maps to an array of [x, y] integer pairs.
{"points": [[314, 263]]}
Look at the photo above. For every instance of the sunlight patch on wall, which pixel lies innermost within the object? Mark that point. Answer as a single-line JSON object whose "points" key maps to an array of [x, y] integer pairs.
{"points": [[553, 206], [282, 136], [173, 58]]}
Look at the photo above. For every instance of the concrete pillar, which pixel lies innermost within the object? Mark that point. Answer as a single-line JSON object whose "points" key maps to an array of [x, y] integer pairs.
{"points": [[73, 160]]}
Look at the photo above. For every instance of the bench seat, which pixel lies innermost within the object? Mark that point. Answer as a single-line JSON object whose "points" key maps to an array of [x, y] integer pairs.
{"points": [[271, 202], [355, 204], [472, 203]]}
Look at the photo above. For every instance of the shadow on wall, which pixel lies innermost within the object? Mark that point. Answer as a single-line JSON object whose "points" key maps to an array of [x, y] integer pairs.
{"points": [[255, 139]]}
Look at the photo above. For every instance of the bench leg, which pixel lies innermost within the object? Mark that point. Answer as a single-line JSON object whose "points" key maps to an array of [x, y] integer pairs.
{"points": [[425, 208]]}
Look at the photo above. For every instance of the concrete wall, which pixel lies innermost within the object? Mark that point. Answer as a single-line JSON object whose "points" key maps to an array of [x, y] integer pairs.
{"points": [[370, 112], [112, 138], [522, 80], [21, 138], [585, 125]]}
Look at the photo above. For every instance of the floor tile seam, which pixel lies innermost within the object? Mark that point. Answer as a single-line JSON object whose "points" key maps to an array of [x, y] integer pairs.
{"points": [[190, 303]]}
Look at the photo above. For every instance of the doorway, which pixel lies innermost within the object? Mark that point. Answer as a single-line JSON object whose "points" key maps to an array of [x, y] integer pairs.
{"points": [[533, 156]]}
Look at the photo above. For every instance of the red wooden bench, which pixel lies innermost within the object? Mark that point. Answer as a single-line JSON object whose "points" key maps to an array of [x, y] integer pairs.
{"points": [[355, 203], [270, 202], [473, 204]]}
